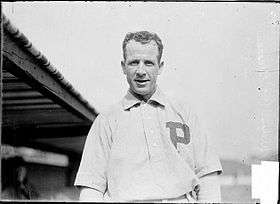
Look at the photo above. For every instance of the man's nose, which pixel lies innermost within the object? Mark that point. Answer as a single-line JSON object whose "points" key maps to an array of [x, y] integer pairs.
{"points": [[141, 69]]}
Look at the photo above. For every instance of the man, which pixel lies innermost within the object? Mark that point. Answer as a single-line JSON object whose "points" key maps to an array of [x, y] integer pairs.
{"points": [[15, 183], [147, 147]]}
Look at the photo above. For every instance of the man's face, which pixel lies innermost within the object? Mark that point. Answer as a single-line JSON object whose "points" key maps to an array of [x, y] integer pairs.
{"points": [[141, 67]]}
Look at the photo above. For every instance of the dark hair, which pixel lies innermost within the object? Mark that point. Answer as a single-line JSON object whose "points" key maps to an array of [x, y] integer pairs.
{"points": [[142, 37]]}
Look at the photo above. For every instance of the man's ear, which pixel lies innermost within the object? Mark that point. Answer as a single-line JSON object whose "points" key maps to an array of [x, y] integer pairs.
{"points": [[123, 67], [161, 65]]}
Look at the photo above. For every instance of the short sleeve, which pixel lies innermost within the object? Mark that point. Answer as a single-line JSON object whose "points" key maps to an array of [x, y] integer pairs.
{"points": [[205, 157], [93, 165]]}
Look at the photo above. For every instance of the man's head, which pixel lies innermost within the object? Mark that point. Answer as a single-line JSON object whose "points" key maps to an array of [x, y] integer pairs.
{"points": [[142, 64]]}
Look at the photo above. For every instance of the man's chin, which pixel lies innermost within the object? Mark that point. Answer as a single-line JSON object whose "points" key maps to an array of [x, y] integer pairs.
{"points": [[142, 93]]}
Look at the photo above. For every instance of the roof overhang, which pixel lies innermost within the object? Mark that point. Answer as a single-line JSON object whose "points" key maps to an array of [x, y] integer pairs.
{"points": [[38, 103]]}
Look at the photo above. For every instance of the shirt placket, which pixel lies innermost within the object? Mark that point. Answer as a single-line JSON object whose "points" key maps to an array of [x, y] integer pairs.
{"points": [[151, 132]]}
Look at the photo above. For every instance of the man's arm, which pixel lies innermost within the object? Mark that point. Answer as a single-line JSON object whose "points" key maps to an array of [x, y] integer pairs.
{"points": [[91, 194], [210, 190], [91, 175], [207, 164]]}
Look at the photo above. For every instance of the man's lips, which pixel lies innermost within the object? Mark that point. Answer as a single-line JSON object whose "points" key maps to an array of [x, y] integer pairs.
{"points": [[141, 80]]}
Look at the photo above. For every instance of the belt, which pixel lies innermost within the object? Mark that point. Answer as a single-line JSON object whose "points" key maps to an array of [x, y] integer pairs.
{"points": [[182, 198]]}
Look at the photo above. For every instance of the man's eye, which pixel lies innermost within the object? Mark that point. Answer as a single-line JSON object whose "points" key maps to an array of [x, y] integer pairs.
{"points": [[149, 63], [133, 63]]}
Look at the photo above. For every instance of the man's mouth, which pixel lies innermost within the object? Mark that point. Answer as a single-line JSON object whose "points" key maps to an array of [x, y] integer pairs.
{"points": [[141, 80]]}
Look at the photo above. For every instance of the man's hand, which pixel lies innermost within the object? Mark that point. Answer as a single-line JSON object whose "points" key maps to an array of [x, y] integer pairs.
{"points": [[90, 194]]}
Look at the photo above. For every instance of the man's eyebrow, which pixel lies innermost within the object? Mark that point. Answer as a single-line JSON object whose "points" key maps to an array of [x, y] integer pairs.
{"points": [[133, 60]]}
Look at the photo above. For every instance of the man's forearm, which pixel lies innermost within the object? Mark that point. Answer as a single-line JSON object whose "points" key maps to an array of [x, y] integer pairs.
{"points": [[90, 194], [210, 190]]}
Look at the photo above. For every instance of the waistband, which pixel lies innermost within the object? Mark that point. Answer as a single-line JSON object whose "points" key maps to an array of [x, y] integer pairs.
{"points": [[182, 198]]}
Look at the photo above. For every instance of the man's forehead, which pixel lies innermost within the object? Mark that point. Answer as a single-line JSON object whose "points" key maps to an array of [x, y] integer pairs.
{"points": [[133, 43], [134, 47]]}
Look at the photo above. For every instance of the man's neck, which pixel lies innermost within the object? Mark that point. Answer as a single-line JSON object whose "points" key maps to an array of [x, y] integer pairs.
{"points": [[142, 97]]}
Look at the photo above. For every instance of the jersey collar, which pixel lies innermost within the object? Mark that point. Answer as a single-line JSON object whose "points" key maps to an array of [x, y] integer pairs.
{"points": [[130, 100]]}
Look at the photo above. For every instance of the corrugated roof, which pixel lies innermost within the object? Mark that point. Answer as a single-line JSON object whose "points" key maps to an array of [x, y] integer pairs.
{"points": [[42, 60]]}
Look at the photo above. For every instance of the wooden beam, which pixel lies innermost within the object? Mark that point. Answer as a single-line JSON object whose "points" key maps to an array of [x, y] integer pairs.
{"points": [[19, 107], [38, 117], [31, 133], [28, 101], [22, 95]]}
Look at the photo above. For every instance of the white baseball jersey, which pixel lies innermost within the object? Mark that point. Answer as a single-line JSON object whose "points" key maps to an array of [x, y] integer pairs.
{"points": [[146, 150]]}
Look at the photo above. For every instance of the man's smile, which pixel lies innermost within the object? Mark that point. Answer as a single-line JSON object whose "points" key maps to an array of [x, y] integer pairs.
{"points": [[141, 81]]}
